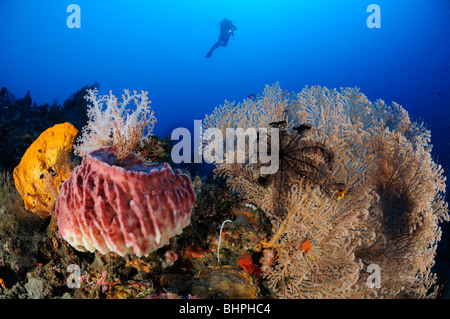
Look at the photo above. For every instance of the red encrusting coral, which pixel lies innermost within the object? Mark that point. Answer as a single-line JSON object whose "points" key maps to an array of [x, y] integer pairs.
{"points": [[134, 208], [246, 262], [195, 252]]}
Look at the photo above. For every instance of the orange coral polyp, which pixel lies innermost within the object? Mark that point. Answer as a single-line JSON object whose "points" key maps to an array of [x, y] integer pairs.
{"points": [[306, 246]]}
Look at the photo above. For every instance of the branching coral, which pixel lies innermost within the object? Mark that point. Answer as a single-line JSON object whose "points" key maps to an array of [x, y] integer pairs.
{"points": [[386, 193], [113, 123]]}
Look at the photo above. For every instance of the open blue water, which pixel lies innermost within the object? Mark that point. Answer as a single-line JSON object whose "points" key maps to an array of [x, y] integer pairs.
{"points": [[159, 46]]}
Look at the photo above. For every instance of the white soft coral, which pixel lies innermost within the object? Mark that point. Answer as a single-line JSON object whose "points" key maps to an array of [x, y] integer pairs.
{"points": [[113, 123]]}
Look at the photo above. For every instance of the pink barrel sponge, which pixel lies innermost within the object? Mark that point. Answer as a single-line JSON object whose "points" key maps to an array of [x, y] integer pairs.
{"points": [[134, 208]]}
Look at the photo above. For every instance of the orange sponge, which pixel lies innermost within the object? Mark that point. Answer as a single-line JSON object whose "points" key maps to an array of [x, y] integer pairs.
{"points": [[43, 168]]}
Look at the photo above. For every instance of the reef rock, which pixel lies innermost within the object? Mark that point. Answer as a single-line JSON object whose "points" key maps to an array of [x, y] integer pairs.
{"points": [[43, 167], [134, 208], [228, 282]]}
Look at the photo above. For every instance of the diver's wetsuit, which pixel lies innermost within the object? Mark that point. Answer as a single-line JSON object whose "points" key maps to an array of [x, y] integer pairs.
{"points": [[226, 29]]}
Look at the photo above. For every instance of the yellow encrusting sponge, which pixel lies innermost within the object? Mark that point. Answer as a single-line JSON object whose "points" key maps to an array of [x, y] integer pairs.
{"points": [[43, 168]]}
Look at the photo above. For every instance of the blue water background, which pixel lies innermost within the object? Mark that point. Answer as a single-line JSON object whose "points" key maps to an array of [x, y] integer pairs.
{"points": [[159, 46]]}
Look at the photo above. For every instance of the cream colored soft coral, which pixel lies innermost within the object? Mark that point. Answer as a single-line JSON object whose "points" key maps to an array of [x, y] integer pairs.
{"points": [[385, 210], [114, 123]]}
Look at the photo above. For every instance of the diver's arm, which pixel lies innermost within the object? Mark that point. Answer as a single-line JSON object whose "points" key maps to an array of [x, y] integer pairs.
{"points": [[233, 28]]}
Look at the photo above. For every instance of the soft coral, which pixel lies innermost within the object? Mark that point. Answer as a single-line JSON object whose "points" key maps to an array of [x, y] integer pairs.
{"points": [[116, 125]]}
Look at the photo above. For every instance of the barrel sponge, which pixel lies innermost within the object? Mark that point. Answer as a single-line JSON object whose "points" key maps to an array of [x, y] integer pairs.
{"points": [[134, 208]]}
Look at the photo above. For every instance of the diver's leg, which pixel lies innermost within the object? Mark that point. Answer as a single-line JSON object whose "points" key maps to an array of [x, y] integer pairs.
{"points": [[210, 52], [225, 41]]}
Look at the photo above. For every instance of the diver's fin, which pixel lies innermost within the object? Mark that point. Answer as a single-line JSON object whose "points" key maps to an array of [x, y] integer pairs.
{"points": [[210, 52]]}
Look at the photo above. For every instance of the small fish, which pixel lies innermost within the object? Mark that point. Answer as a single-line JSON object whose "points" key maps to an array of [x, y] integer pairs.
{"points": [[277, 124], [301, 128], [252, 97]]}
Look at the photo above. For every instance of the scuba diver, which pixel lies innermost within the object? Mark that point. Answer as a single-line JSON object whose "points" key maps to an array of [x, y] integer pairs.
{"points": [[226, 29]]}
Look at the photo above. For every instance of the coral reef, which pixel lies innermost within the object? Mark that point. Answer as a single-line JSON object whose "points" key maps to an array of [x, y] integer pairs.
{"points": [[132, 209], [36, 263], [356, 186], [21, 124], [21, 234], [43, 168], [45, 267]]}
